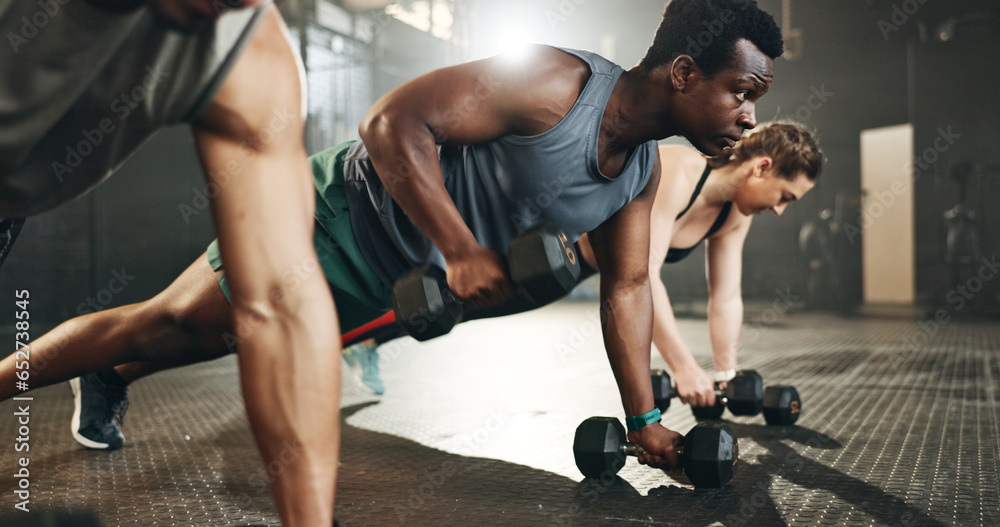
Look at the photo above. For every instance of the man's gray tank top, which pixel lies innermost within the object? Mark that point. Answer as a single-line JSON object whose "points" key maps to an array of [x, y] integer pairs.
{"points": [[506, 185]]}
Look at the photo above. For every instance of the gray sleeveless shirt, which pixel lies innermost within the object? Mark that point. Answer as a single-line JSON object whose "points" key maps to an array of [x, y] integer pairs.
{"points": [[506, 185], [81, 89]]}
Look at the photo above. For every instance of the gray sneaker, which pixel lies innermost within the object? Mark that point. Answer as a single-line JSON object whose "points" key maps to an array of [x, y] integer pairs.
{"points": [[98, 412]]}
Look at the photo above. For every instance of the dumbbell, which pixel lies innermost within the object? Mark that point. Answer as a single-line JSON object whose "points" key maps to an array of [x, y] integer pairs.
{"points": [[709, 454], [744, 395], [543, 264]]}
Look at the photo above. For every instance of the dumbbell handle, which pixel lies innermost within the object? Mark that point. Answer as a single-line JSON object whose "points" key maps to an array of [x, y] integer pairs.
{"points": [[632, 449], [719, 394]]}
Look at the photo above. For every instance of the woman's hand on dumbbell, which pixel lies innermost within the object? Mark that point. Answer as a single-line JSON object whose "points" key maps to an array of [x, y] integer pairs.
{"points": [[694, 386], [479, 278], [660, 445]]}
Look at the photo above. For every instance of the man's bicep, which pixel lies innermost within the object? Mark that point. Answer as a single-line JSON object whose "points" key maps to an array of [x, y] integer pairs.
{"points": [[262, 100], [480, 100], [462, 104], [250, 142]]}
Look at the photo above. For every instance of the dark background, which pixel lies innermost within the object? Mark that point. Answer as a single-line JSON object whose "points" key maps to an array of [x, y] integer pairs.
{"points": [[939, 70]]}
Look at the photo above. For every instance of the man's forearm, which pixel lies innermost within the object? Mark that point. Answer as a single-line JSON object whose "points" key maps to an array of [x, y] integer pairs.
{"points": [[626, 317], [290, 373], [287, 339], [724, 321]]}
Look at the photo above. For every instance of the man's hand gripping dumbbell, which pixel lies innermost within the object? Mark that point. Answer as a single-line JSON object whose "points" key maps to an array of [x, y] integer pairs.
{"points": [[542, 262], [709, 454]]}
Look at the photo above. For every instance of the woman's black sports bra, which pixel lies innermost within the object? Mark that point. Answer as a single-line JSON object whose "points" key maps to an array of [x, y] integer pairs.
{"points": [[676, 255]]}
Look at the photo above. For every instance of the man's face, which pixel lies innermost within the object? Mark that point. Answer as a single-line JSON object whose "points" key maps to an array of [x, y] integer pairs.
{"points": [[715, 112], [192, 15]]}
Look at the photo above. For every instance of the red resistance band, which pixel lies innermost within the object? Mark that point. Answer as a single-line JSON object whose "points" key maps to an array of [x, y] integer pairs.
{"points": [[359, 334]]}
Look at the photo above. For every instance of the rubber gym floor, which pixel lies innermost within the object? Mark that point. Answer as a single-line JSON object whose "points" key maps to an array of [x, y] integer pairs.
{"points": [[900, 427]]}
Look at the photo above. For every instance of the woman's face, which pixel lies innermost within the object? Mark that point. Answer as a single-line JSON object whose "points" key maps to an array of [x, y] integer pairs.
{"points": [[766, 191]]}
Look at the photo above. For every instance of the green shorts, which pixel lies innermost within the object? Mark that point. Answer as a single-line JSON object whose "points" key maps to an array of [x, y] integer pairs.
{"points": [[359, 295]]}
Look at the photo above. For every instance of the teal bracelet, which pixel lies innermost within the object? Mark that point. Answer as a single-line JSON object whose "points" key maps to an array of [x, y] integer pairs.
{"points": [[638, 421]]}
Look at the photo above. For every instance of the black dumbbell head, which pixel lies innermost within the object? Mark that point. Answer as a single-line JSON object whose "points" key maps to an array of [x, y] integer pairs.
{"points": [[711, 455], [746, 393], [709, 413], [782, 405], [543, 263], [597, 446], [663, 390], [424, 305]]}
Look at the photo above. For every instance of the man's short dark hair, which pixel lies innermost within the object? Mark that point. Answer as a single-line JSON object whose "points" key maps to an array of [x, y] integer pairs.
{"points": [[707, 30]]}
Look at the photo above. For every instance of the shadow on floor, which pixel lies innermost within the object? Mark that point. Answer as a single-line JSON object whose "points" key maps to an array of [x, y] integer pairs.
{"points": [[388, 480]]}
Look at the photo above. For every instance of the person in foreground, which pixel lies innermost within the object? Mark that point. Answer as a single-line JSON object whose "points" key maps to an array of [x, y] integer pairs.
{"points": [[81, 93], [433, 183]]}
